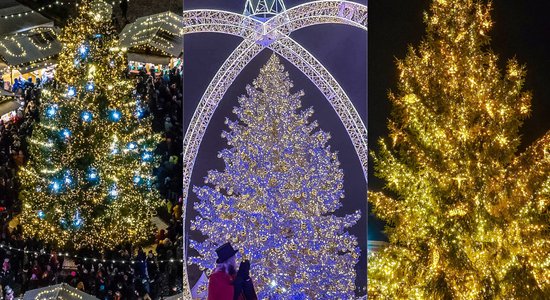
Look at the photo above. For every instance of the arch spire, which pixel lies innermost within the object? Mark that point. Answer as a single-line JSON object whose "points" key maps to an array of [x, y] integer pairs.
{"points": [[263, 8]]}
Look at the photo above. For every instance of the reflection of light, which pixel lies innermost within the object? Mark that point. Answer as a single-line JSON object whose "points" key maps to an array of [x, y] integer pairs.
{"points": [[131, 146], [137, 179], [41, 214], [273, 283], [68, 180]]}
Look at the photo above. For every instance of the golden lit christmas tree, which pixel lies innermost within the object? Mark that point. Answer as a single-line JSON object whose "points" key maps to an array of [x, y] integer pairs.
{"points": [[468, 218], [277, 196], [89, 179]]}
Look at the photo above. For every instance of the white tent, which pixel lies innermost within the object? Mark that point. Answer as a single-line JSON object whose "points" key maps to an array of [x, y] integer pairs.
{"points": [[161, 32], [17, 18], [26, 36], [29, 47], [58, 291]]}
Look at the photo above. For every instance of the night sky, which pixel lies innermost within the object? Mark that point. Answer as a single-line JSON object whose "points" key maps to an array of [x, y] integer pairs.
{"points": [[343, 51], [521, 29]]}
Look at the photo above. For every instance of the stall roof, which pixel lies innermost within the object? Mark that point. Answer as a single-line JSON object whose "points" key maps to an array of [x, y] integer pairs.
{"points": [[15, 18], [58, 291], [8, 106], [28, 47], [162, 32]]}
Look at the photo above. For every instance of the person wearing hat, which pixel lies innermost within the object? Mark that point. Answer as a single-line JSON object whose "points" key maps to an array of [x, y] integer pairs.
{"points": [[221, 283]]}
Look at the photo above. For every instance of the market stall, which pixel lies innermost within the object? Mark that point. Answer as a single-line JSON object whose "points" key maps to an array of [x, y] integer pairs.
{"points": [[58, 291]]}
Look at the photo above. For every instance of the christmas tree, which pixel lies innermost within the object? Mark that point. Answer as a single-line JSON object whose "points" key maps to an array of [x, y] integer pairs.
{"points": [[89, 179], [468, 217], [275, 198]]}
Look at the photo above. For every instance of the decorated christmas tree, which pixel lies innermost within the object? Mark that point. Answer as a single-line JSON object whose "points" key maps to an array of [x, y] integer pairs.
{"points": [[276, 197], [89, 180], [468, 217]]}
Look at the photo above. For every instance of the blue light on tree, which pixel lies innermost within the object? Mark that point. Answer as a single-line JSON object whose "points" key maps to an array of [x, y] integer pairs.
{"points": [[147, 156], [65, 133], [137, 179], [83, 50], [140, 113], [131, 146], [115, 115], [86, 116], [113, 191], [93, 176], [77, 220], [90, 87], [51, 111], [55, 186], [71, 91], [41, 214]]}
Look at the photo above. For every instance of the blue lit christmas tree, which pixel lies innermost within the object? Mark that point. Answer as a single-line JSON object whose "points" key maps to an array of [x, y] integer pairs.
{"points": [[276, 196], [80, 186]]}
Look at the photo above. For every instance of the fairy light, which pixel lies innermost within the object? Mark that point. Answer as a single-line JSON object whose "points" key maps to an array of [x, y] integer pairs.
{"points": [[276, 197], [467, 215], [90, 114]]}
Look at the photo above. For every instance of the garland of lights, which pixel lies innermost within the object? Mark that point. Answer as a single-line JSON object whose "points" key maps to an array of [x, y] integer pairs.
{"points": [[42, 8], [88, 182], [467, 211], [272, 33], [86, 258]]}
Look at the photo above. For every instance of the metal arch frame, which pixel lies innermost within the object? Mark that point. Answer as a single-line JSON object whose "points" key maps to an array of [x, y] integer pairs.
{"points": [[272, 34]]}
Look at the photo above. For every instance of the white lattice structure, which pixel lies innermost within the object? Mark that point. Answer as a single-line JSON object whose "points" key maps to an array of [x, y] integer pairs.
{"points": [[272, 33]]}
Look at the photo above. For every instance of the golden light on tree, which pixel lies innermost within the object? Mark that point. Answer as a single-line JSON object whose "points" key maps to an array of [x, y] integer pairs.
{"points": [[89, 179], [468, 217]]}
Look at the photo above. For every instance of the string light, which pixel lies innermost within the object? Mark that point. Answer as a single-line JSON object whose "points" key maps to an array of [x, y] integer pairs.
{"points": [[94, 115], [276, 197], [467, 215]]}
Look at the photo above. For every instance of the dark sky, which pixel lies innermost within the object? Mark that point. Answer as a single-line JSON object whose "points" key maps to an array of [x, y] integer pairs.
{"points": [[521, 30], [343, 51]]}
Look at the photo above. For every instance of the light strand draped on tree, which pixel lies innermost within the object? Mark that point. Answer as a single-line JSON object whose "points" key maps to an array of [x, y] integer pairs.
{"points": [[468, 217], [276, 197], [89, 180]]}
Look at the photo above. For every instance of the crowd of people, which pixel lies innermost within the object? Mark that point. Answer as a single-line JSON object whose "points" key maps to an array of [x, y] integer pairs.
{"points": [[128, 272]]}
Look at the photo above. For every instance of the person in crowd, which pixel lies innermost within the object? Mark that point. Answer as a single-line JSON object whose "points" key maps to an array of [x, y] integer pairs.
{"points": [[225, 283]]}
